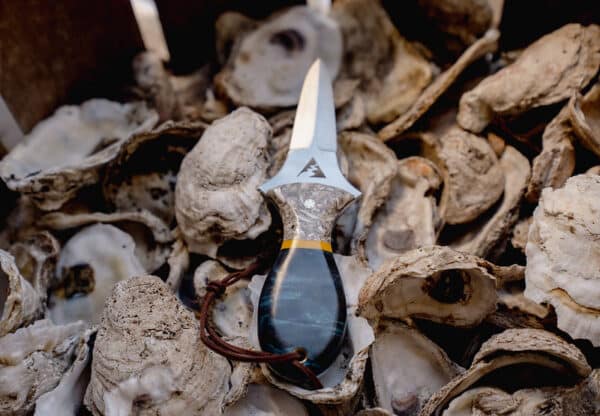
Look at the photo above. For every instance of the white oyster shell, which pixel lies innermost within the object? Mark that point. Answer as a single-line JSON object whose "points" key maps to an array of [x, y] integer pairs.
{"points": [[105, 255], [408, 368], [33, 361], [144, 326], [265, 400], [267, 68], [77, 141], [216, 198], [20, 302], [563, 256]]}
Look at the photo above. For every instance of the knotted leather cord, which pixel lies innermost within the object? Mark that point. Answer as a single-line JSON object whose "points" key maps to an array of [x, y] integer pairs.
{"points": [[213, 340]]}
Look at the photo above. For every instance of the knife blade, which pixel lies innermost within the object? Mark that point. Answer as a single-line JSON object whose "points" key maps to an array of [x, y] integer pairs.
{"points": [[302, 303]]}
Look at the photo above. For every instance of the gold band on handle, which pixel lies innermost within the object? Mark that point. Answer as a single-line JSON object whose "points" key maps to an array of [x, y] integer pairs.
{"points": [[311, 244]]}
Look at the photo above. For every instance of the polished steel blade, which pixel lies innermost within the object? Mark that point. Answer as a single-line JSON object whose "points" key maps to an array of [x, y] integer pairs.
{"points": [[312, 155]]}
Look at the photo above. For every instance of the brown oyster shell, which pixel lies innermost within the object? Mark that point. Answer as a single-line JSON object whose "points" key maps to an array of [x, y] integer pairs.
{"points": [[488, 43], [434, 283], [510, 348], [216, 197], [568, 58], [556, 162], [473, 178], [391, 70], [585, 118], [488, 237], [266, 69]]}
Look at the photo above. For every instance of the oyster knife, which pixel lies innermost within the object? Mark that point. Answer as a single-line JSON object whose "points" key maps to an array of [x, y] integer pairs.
{"points": [[302, 304]]}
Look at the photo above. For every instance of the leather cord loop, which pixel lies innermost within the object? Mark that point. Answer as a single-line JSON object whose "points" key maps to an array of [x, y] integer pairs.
{"points": [[213, 340]]}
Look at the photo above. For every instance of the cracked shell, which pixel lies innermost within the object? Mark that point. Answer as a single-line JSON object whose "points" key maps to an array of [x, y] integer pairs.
{"points": [[569, 58], [473, 178], [407, 368], [33, 361], [21, 301], [408, 218], [77, 142], [548, 359], [156, 365], [434, 283], [563, 256], [267, 67], [216, 197]]}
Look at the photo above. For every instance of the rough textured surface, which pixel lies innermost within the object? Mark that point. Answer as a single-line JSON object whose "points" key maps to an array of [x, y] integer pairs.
{"points": [[77, 141], [568, 58], [408, 218], [20, 302], [509, 348], [434, 283], [556, 162], [144, 325], [488, 43], [489, 235], [473, 178], [562, 255], [216, 198]]}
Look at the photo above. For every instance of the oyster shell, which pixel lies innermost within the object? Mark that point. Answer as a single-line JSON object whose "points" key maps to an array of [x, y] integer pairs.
{"points": [[556, 162], [79, 141], [512, 349], [520, 233], [576, 401], [407, 368], [462, 21], [264, 400], [33, 361], [585, 118], [67, 397], [90, 263], [151, 236], [391, 70], [569, 58], [371, 168], [20, 302], [488, 237], [344, 378], [488, 43], [473, 178], [408, 218], [216, 197], [562, 260], [130, 183], [435, 283], [266, 68], [148, 356]]}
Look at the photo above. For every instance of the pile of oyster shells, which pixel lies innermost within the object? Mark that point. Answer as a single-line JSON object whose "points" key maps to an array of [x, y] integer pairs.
{"points": [[471, 264]]}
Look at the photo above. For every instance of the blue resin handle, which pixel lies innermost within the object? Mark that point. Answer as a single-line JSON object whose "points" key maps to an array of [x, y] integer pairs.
{"points": [[302, 304]]}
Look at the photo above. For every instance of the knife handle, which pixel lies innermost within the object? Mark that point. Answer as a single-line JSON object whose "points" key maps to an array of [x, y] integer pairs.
{"points": [[302, 303]]}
